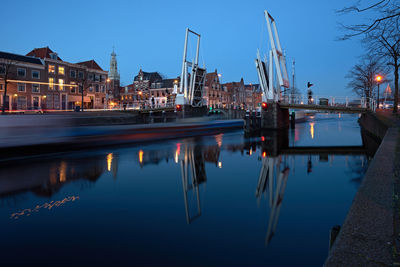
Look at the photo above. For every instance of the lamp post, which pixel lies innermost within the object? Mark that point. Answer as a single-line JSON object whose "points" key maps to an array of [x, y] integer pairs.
{"points": [[107, 88], [378, 80], [140, 99]]}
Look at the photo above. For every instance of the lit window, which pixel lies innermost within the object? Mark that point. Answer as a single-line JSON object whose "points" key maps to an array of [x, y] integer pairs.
{"points": [[35, 74], [52, 69], [21, 72], [21, 87], [51, 83], [35, 88], [61, 84], [61, 70]]}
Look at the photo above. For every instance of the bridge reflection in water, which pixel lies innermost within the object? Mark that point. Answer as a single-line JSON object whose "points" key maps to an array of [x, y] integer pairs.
{"points": [[272, 149]]}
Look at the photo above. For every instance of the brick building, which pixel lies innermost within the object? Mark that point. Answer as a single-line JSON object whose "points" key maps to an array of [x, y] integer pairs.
{"points": [[162, 92], [66, 81], [26, 82], [236, 95], [253, 96], [215, 95], [138, 93]]}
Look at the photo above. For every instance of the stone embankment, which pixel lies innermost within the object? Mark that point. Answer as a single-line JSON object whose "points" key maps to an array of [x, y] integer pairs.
{"points": [[369, 235]]}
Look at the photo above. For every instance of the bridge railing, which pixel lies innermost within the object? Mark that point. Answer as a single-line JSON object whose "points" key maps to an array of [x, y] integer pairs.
{"points": [[337, 101]]}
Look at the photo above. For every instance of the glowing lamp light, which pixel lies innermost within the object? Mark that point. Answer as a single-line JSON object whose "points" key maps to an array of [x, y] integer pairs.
{"points": [[220, 164], [15, 94], [262, 138], [178, 107], [264, 154], [264, 105], [140, 156], [140, 93], [378, 78]]}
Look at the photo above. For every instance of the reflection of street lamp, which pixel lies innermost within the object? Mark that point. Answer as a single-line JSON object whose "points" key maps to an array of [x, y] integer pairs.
{"points": [[378, 80]]}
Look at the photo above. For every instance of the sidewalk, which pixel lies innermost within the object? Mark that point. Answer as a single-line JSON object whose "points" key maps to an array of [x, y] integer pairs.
{"points": [[369, 235]]}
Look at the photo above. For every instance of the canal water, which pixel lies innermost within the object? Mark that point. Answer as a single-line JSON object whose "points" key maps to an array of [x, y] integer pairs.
{"points": [[214, 200]]}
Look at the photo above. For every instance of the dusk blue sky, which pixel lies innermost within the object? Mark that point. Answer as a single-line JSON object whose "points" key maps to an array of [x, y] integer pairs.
{"points": [[150, 34]]}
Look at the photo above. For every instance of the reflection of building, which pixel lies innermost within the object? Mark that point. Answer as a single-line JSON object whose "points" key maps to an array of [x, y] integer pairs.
{"points": [[48, 177]]}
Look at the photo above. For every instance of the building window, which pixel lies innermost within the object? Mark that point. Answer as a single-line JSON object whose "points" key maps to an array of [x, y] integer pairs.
{"points": [[35, 88], [80, 75], [35, 74], [61, 84], [90, 77], [97, 88], [73, 88], [21, 72], [53, 56], [102, 89], [61, 70], [91, 89], [51, 83], [72, 74], [21, 87], [2, 70], [52, 69], [1, 87], [97, 78]]}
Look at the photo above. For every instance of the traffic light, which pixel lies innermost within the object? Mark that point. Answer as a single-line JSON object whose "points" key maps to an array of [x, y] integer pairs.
{"points": [[264, 105], [309, 84]]}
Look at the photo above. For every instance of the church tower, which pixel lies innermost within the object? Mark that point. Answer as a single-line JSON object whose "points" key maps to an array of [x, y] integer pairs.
{"points": [[113, 75]]}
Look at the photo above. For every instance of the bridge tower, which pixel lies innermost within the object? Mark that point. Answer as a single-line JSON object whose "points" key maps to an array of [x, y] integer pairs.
{"points": [[190, 95], [272, 115]]}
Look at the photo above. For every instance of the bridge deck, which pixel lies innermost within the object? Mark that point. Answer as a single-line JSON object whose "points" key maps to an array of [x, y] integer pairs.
{"points": [[157, 110], [325, 108]]}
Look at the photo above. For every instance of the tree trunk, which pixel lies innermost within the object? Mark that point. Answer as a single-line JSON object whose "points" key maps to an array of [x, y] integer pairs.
{"points": [[396, 85], [3, 109]]}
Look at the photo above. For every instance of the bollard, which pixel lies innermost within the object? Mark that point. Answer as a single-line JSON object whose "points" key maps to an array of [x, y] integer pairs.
{"points": [[164, 116]]}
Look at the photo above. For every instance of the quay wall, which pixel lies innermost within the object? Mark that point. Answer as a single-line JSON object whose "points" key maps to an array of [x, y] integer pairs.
{"points": [[366, 237]]}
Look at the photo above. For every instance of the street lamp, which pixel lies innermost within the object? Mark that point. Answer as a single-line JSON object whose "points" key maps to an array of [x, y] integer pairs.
{"points": [[378, 80], [107, 88]]}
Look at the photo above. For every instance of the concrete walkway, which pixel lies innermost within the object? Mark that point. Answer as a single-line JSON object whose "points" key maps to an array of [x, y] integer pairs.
{"points": [[367, 237]]}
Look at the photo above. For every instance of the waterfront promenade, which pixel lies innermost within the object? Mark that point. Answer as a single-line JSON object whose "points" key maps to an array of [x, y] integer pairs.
{"points": [[370, 234]]}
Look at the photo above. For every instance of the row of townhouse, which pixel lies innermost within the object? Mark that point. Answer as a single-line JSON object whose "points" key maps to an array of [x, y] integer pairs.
{"points": [[150, 89], [42, 80]]}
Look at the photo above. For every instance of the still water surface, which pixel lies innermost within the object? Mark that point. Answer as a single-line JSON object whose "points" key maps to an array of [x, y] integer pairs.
{"points": [[194, 201]]}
